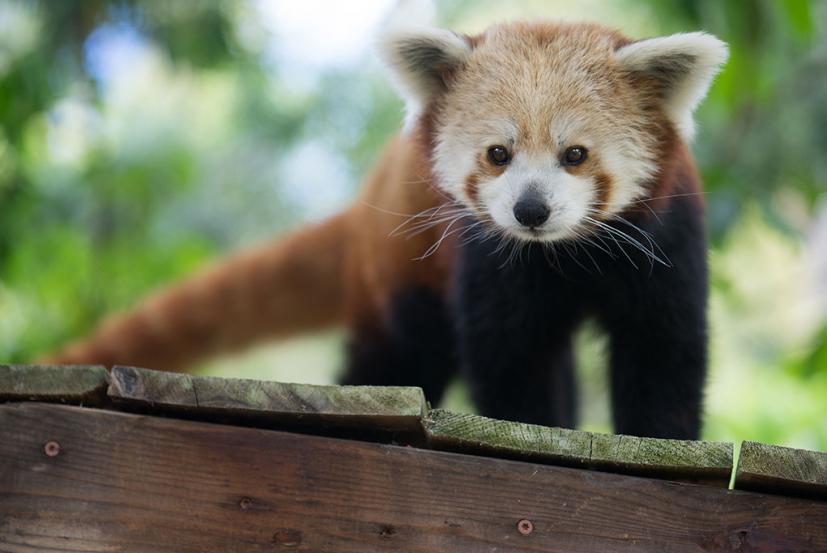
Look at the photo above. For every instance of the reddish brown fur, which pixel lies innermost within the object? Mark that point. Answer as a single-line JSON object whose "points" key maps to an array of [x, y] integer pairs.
{"points": [[345, 270], [603, 182], [273, 290], [472, 187]]}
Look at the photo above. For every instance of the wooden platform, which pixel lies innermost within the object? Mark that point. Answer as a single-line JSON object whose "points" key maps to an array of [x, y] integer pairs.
{"points": [[153, 462]]}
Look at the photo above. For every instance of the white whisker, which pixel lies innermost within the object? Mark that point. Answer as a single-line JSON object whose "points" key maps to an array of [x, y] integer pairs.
{"points": [[445, 233]]}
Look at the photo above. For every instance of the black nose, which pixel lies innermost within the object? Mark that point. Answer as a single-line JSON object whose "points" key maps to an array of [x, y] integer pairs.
{"points": [[531, 212]]}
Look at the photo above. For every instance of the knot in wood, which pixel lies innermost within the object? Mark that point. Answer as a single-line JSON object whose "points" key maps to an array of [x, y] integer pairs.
{"points": [[287, 537], [736, 541], [387, 531]]}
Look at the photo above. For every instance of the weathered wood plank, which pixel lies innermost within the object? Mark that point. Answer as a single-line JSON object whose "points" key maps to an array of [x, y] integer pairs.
{"points": [[708, 462], [387, 408], [130, 483], [75, 384], [776, 469]]}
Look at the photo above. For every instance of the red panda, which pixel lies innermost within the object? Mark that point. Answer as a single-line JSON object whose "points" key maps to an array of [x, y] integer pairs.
{"points": [[543, 178]]}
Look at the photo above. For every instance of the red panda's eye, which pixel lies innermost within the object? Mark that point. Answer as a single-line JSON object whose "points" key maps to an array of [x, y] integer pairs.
{"points": [[499, 155], [574, 155]]}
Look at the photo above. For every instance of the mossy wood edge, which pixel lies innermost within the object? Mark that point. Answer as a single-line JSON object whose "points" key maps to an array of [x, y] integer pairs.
{"points": [[404, 411], [391, 407], [707, 462], [776, 469], [74, 384]]}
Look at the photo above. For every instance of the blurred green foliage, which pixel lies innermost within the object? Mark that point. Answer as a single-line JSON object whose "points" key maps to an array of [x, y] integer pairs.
{"points": [[140, 139]]}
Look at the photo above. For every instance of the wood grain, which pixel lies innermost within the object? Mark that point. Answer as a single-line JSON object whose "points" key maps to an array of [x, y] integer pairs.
{"points": [[707, 462], [380, 408], [74, 384], [132, 483], [772, 468]]}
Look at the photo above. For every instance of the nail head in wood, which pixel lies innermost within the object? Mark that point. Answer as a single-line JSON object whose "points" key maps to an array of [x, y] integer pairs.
{"points": [[51, 449]]}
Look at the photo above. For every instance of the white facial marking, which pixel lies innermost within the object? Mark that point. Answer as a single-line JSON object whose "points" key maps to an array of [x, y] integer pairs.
{"points": [[622, 156], [539, 89], [568, 197], [454, 159]]}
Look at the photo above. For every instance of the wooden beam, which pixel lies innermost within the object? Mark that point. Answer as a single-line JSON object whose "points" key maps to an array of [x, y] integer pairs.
{"points": [[74, 384], [776, 469], [708, 462], [314, 408], [129, 483]]}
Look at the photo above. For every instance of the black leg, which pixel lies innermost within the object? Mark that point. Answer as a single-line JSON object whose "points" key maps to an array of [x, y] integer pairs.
{"points": [[414, 347], [656, 319], [514, 332], [563, 386], [522, 383], [657, 380]]}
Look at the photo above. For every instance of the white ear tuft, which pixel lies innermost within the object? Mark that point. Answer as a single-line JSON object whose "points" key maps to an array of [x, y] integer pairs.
{"points": [[420, 60], [682, 66]]}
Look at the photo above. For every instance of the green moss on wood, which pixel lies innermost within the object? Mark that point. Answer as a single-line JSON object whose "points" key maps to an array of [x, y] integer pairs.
{"points": [[251, 397], [76, 384], [629, 454], [153, 387], [309, 398], [772, 468]]}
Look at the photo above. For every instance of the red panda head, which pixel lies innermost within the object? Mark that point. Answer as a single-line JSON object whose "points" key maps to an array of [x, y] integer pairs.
{"points": [[541, 127]]}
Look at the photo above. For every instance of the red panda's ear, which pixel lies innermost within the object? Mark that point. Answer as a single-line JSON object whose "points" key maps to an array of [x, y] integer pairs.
{"points": [[421, 61], [680, 67]]}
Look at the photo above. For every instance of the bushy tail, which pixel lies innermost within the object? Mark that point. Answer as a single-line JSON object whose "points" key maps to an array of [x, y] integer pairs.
{"points": [[292, 285]]}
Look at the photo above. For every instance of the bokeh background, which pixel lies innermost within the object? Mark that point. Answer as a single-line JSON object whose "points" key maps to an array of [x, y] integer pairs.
{"points": [[141, 139]]}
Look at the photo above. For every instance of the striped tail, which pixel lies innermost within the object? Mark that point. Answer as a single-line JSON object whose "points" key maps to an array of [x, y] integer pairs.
{"points": [[292, 285]]}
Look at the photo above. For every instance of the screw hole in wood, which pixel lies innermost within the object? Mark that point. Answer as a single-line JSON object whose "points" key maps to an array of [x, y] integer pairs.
{"points": [[525, 527]]}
